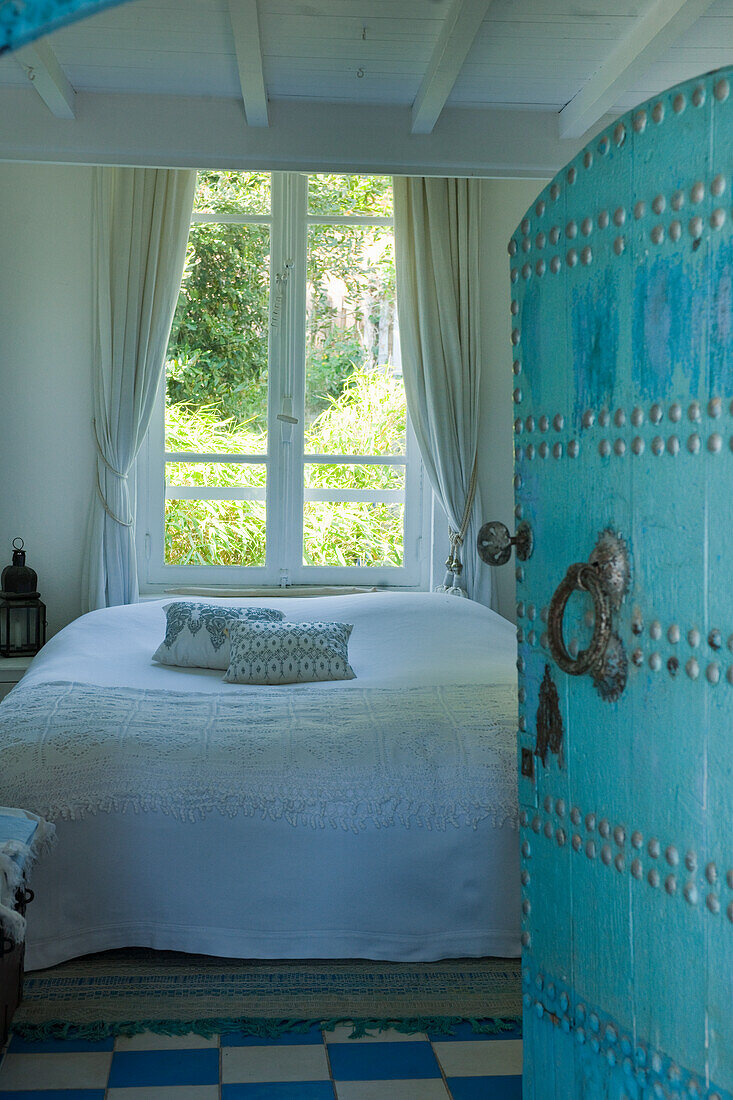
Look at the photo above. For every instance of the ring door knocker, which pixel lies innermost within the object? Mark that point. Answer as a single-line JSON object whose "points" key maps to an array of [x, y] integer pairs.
{"points": [[605, 577]]}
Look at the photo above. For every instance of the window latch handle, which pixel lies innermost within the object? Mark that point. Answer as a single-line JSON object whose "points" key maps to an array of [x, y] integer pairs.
{"points": [[286, 417]]}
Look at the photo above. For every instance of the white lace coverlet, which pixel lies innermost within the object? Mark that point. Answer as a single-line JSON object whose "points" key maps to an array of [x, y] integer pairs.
{"points": [[433, 756]]}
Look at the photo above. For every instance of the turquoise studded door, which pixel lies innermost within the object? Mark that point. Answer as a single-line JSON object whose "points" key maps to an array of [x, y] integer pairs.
{"points": [[23, 22], [622, 304]]}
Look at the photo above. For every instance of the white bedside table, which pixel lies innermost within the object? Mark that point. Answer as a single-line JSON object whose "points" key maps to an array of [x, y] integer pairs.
{"points": [[12, 669]]}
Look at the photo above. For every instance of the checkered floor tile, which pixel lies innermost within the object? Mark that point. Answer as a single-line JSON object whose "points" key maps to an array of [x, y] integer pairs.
{"points": [[313, 1066]]}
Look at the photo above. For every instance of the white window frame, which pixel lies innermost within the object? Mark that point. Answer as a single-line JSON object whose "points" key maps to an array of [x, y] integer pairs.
{"points": [[289, 221]]}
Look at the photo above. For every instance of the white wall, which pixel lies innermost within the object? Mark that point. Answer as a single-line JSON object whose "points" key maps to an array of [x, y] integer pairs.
{"points": [[505, 203], [46, 450]]}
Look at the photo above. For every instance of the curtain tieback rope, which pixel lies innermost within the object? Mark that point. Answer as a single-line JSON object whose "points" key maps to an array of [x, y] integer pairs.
{"points": [[112, 470], [453, 564], [108, 510], [460, 535], [100, 452]]}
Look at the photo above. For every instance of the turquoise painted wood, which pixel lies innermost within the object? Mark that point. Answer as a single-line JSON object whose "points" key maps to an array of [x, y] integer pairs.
{"points": [[22, 22], [622, 314]]}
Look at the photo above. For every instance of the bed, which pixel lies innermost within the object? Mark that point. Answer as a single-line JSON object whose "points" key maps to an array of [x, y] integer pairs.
{"points": [[367, 818]]}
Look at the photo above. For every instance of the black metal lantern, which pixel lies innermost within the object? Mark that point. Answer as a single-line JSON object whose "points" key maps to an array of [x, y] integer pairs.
{"points": [[22, 612]]}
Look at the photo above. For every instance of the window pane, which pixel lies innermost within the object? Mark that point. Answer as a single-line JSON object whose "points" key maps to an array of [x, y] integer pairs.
{"points": [[363, 195], [353, 534], [214, 532], [200, 431], [328, 476], [215, 474], [233, 192], [216, 369], [355, 398]]}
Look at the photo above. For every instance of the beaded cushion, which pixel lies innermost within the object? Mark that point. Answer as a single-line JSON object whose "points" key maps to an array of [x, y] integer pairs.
{"points": [[288, 653], [196, 633]]}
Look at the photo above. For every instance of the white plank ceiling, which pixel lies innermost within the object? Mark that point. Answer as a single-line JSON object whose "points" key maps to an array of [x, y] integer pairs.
{"points": [[527, 54]]}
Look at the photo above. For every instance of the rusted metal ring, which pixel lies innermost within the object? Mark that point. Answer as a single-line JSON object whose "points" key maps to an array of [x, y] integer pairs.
{"points": [[580, 577]]}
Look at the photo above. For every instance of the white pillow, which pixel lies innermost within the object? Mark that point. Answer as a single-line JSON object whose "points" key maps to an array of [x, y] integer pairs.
{"points": [[288, 653], [196, 633]]}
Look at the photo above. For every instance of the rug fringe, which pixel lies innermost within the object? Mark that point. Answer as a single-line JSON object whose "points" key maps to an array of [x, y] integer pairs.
{"points": [[264, 1028]]}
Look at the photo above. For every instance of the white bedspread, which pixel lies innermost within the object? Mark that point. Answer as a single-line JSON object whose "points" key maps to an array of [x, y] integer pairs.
{"points": [[432, 756], [369, 818], [399, 639]]}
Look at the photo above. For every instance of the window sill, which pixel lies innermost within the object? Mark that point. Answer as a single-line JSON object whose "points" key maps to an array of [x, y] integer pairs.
{"points": [[272, 591]]}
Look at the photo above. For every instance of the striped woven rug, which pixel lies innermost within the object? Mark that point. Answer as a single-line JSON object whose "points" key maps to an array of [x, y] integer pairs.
{"points": [[123, 992]]}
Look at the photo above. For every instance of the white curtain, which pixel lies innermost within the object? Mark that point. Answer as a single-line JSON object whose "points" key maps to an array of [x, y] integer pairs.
{"points": [[141, 223], [437, 240]]}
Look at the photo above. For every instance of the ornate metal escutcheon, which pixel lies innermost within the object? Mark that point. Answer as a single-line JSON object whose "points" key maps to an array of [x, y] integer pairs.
{"points": [[494, 543]]}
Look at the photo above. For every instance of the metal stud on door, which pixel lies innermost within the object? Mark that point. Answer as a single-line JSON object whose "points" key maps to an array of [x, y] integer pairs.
{"points": [[622, 314]]}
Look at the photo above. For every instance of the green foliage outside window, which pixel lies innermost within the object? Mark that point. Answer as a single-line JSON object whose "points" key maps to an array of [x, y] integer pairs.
{"points": [[217, 372], [218, 345], [369, 415], [217, 352]]}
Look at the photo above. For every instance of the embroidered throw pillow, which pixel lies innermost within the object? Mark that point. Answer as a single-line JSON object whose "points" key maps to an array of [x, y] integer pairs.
{"points": [[196, 633], [288, 653]]}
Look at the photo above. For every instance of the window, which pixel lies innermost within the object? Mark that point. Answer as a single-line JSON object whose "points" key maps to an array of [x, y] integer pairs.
{"points": [[281, 451]]}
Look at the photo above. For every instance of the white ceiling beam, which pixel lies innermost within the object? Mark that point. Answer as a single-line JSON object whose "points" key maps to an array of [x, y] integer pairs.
{"points": [[653, 32], [41, 66], [207, 132], [460, 27], [246, 30]]}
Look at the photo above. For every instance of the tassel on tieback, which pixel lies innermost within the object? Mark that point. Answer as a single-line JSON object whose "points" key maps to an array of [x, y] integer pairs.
{"points": [[454, 565], [454, 568]]}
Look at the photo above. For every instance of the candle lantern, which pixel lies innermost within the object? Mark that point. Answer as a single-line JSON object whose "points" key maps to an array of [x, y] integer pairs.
{"points": [[22, 612]]}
